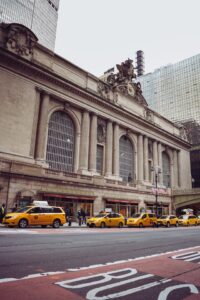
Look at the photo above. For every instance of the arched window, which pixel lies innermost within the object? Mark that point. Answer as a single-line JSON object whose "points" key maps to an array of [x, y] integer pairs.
{"points": [[166, 169], [60, 143], [126, 159]]}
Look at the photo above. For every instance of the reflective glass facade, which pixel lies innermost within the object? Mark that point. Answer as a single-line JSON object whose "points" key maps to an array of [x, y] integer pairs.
{"points": [[174, 90], [38, 15]]}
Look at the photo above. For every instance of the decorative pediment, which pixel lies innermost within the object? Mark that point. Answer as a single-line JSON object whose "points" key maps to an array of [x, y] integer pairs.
{"points": [[18, 39]]}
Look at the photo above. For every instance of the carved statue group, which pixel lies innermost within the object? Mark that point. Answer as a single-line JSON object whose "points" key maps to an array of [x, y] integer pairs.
{"points": [[125, 73]]}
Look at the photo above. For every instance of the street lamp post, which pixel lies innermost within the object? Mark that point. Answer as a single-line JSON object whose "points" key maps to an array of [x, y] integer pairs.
{"points": [[157, 171], [156, 180]]}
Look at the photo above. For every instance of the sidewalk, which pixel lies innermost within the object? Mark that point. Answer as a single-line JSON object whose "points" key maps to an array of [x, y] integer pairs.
{"points": [[73, 225]]}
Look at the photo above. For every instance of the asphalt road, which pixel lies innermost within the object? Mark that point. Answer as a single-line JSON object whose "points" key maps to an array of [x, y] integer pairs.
{"points": [[24, 254]]}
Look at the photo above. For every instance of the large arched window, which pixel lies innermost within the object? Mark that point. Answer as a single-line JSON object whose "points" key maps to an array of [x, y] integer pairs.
{"points": [[166, 169], [60, 143], [126, 159]]}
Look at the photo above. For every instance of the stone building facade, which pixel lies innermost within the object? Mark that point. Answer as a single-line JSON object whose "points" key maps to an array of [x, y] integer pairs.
{"points": [[75, 140]]}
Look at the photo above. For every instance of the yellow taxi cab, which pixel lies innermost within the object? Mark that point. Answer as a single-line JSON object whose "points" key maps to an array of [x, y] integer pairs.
{"points": [[198, 217], [105, 219], [168, 220], [142, 220], [187, 220], [41, 214]]}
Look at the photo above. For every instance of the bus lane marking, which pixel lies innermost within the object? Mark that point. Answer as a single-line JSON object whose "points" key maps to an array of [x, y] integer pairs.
{"points": [[126, 282]]}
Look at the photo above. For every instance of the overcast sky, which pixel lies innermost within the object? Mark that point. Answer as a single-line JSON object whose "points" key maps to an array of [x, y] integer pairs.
{"points": [[98, 34]]}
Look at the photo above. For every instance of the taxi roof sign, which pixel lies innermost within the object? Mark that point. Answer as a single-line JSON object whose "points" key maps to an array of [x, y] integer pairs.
{"points": [[40, 203]]}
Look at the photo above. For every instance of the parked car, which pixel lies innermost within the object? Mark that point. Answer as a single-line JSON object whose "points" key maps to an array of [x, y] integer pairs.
{"points": [[106, 220], [187, 220], [142, 220], [36, 215], [168, 220], [198, 217]]}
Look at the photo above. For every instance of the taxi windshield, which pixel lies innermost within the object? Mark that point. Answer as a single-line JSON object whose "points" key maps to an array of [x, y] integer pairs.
{"points": [[22, 209], [136, 215], [100, 215], [163, 217], [185, 217]]}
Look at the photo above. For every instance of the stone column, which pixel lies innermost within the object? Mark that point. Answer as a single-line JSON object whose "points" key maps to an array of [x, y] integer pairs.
{"points": [[140, 158], [146, 162], [84, 146], [109, 148], [160, 176], [179, 169], [35, 122], [77, 152], [155, 153], [42, 128], [116, 150], [93, 143], [175, 160]]}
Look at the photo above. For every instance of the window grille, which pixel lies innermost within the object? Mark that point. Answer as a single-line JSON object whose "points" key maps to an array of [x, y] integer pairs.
{"points": [[166, 170], [60, 143], [99, 159], [126, 159]]}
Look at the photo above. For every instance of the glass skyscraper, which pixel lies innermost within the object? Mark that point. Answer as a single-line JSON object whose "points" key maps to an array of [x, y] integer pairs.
{"points": [[174, 90], [38, 15]]}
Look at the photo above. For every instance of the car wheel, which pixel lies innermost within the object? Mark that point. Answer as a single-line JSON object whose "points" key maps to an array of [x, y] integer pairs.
{"points": [[168, 224], [43, 226], [23, 223], [141, 225], [120, 225], [176, 224], [188, 223], [196, 224], [56, 224], [103, 225]]}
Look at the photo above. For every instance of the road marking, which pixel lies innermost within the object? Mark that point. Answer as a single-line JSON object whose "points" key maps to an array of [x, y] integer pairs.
{"points": [[31, 276], [189, 256], [11, 231], [104, 286], [3, 280], [131, 259]]}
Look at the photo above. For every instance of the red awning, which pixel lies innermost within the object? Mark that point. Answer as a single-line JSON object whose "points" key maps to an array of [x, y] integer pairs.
{"points": [[73, 197], [121, 201]]}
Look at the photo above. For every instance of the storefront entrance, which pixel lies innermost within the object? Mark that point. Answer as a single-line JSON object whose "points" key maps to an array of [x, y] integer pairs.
{"points": [[71, 203], [162, 209], [125, 207]]}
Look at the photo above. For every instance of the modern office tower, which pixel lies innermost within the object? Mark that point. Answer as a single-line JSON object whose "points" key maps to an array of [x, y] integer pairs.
{"points": [[38, 15], [174, 90]]}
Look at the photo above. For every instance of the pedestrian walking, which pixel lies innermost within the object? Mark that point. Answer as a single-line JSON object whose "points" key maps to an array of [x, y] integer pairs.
{"points": [[83, 215], [2, 212], [68, 216], [79, 216], [14, 209]]}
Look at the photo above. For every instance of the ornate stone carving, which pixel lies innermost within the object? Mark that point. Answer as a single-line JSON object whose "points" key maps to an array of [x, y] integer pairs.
{"points": [[103, 90], [122, 82], [183, 133], [19, 39], [149, 115]]}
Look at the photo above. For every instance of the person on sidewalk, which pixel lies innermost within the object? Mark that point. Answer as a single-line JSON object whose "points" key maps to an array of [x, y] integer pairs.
{"points": [[15, 208], [83, 215], [68, 216], [79, 216], [2, 212]]}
